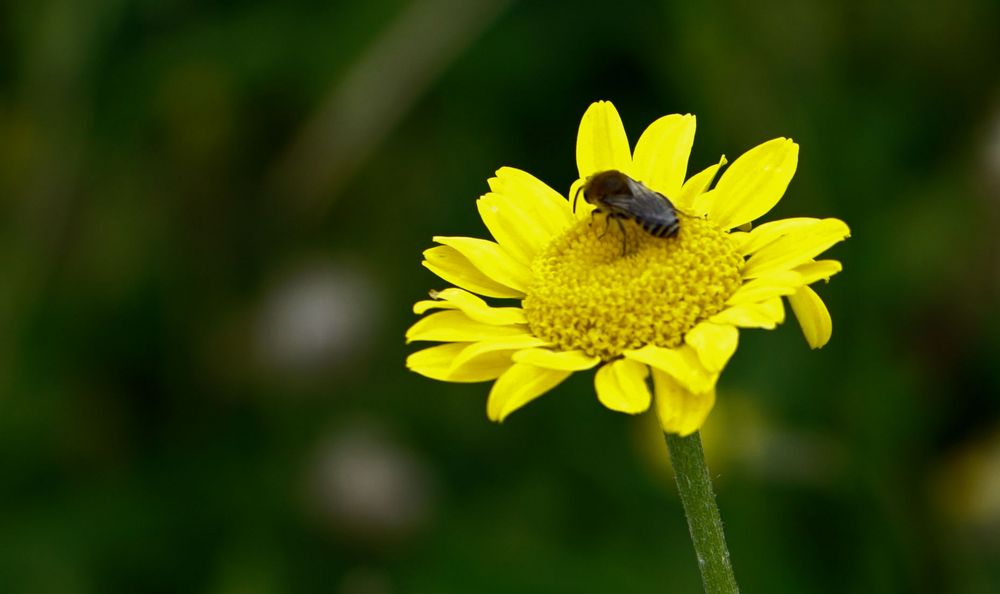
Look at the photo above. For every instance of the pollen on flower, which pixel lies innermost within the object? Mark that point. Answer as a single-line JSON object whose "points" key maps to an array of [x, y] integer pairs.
{"points": [[588, 295]]}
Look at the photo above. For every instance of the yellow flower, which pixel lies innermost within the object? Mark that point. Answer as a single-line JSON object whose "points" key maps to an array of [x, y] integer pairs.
{"points": [[593, 294]]}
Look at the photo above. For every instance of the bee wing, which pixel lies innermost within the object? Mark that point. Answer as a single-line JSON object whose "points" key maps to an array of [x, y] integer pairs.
{"points": [[641, 192], [648, 205]]}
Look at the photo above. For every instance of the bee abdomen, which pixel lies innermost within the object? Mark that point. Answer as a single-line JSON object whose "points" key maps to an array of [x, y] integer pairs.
{"points": [[659, 228]]}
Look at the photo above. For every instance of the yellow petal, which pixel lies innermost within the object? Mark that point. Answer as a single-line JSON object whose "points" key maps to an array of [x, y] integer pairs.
{"points": [[621, 386], [436, 363], [682, 363], [479, 351], [768, 232], [796, 247], [739, 238], [472, 306], [775, 284], [515, 230], [562, 360], [601, 143], [766, 314], [754, 183], [696, 185], [491, 260], [714, 343], [455, 326], [703, 203], [661, 155], [518, 386], [819, 270], [813, 317], [547, 207], [680, 410], [455, 268]]}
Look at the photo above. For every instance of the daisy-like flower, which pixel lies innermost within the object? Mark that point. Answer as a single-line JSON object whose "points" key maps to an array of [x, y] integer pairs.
{"points": [[590, 294]]}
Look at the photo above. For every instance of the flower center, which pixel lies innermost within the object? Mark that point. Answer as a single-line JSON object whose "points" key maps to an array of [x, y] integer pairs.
{"points": [[588, 295]]}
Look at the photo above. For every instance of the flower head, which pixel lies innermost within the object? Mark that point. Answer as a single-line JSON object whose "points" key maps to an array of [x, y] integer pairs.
{"points": [[594, 290]]}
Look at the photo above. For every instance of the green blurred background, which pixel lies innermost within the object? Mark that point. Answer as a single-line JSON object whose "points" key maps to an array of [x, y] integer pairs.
{"points": [[212, 219]]}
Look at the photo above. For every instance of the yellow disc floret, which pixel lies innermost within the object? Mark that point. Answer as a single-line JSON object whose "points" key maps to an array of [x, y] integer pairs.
{"points": [[603, 289]]}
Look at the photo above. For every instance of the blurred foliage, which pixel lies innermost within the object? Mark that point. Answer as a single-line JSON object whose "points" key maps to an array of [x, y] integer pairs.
{"points": [[196, 196]]}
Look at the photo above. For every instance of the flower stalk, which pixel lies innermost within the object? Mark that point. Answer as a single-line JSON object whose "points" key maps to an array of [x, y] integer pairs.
{"points": [[695, 487]]}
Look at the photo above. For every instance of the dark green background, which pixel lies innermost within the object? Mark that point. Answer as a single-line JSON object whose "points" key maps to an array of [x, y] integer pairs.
{"points": [[211, 219]]}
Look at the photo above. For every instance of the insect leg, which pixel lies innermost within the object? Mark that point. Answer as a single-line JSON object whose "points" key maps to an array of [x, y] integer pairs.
{"points": [[605, 231], [607, 222], [621, 227]]}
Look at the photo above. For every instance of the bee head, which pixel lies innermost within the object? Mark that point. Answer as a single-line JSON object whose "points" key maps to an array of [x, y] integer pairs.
{"points": [[599, 185], [606, 183]]}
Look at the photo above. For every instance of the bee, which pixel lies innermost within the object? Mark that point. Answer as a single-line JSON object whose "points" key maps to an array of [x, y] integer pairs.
{"points": [[618, 197]]}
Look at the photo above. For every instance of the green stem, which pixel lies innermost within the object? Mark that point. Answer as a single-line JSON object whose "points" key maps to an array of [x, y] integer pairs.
{"points": [[695, 487]]}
